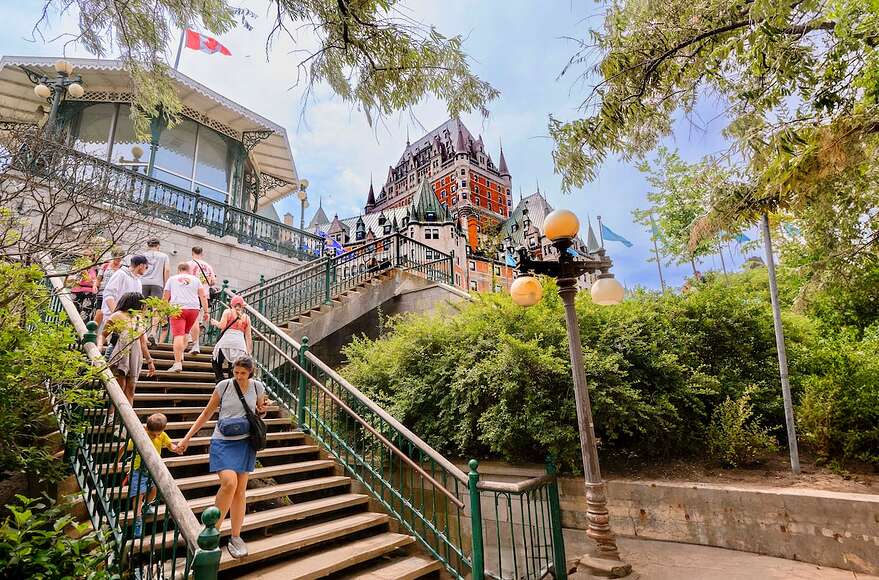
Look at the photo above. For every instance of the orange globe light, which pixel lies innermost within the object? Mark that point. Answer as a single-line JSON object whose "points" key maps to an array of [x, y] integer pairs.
{"points": [[607, 291], [561, 224], [526, 291], [42, 91]]}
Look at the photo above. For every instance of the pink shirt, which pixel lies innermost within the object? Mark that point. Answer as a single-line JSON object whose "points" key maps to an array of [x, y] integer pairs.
{"points": [[197, 272]]}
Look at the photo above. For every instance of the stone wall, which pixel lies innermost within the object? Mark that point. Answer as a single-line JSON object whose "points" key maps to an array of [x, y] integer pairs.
{"points": [[835, 529]]}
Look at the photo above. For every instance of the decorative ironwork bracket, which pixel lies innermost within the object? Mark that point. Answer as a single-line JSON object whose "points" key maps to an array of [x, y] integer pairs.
{"points": [[251, 139], [268, 182], [32, 75], [566, 267]]}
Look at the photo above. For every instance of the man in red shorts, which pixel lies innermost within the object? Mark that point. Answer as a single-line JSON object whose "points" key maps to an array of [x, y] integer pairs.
{"points": [[187, 292]]}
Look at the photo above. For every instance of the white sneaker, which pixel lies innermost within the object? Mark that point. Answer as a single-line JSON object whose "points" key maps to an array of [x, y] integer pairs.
{"points": [[195, 349], [237, 547], [176, 368]]}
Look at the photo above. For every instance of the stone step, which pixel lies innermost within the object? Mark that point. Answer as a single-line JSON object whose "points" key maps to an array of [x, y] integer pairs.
{"points": [[204, 458], [164, 346], [169, 355], [188, 365], [202, 376], [170, 397], [185, 410], [209, 480], [399, 568], [333, 560], [284, 543], [162, 385], [185, 425], [258, 494]]}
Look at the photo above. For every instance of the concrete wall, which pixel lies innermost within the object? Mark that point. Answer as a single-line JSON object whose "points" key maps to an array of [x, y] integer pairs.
{"points": [[839, 530]]}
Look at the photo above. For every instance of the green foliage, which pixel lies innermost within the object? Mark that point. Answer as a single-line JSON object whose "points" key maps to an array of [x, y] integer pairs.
{"points": [[32, 352], [839, 411], [368, 51], [734, 437], [495, 379], [42, 541]]}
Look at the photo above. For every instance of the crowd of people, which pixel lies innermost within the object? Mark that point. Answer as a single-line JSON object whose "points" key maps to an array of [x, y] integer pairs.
{"points": [[114, 294]]}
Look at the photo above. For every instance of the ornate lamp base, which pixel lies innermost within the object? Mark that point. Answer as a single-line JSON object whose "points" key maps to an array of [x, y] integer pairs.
{"points": [[604, 561]]}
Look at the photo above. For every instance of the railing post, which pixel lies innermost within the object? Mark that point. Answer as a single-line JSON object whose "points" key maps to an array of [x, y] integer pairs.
{"points": [[560, 565], [260, 297], [206, 562], [300, 406], [92, 334], [478, 555], [328, 298], [452, 268], [224, 291]]}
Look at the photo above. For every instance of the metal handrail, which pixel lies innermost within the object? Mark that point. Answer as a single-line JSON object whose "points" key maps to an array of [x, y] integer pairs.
{"points": [[174, 499]]}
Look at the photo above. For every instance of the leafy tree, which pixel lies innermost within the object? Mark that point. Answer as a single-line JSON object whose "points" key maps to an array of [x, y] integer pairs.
{"points": [[370, 52], [678, 201], [798, 85]]}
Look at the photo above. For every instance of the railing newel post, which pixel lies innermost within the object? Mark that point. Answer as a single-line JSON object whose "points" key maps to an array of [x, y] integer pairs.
{"points": [[560, 565], [452, 268], [259, 300], [477, 556], [92, 334], [206, 562], [327, 283], [300, 406]]}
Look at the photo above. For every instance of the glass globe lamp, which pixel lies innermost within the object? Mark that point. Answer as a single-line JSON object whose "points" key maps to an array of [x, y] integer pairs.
{"points": [[561, 224], [42, 91], [75, 90], [526, 291], [607, 291]]}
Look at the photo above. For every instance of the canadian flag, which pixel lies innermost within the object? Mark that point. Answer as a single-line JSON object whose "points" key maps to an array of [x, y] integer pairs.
{"points": [[197, 41]]}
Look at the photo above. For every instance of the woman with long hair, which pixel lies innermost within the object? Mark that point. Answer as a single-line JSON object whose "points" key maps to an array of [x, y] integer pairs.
{"points": [[232, 457], [130, 347]]}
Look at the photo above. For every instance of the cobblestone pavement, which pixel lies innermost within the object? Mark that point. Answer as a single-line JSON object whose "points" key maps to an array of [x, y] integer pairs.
{"points": [[653, 560]]}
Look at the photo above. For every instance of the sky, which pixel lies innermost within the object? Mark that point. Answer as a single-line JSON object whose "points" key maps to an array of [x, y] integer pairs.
{"points": [[519, 46]]}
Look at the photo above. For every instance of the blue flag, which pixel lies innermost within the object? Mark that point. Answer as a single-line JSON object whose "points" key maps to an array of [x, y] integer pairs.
{"points": [[742, 238], [791, 229], [573, 252], [611, 236], [509, 259]]}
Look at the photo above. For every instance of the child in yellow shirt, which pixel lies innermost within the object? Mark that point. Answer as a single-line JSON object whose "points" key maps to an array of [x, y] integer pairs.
{"points": [[140, 482]]}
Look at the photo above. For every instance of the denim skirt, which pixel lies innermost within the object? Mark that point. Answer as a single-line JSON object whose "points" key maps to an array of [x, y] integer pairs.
{"points": [[232, 454]]}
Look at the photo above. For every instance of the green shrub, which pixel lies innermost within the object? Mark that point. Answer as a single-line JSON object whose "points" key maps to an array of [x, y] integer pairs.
{"points": [[839, 411], [41, 541], [734, 437], [495, 379]]}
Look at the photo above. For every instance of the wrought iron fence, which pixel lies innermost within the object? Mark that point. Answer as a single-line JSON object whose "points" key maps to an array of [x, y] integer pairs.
{"points": [[168, 542], [282, 297], [61, 166]]}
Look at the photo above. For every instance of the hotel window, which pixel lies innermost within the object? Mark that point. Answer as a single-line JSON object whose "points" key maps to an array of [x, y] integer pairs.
{"points": [[474, 285], [463, 183], [387, 229], [498, 288], [463, 172], [472, 265], [457, 279], [489, 207], [475, 189], [497, 270], [454, 188]]}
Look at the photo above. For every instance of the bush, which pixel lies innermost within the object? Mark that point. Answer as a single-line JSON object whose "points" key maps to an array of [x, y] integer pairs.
{"points": [[734, 438], [495, 380], [839, 411], [41, 541]]}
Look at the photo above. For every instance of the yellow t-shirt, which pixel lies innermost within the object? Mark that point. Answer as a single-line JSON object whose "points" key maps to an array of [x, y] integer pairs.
{"points": [[161, 441]]}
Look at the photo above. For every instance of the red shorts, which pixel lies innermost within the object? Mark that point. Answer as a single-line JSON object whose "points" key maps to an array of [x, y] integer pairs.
{"points": [[182, 324]]}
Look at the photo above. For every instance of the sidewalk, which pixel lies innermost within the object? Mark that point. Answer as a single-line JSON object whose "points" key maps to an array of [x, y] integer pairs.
{"points": [[654, 560]]}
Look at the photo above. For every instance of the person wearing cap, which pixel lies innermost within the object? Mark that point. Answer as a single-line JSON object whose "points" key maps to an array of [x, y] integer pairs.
{"points": [[125, 280], [154, 279], [235, 337]]}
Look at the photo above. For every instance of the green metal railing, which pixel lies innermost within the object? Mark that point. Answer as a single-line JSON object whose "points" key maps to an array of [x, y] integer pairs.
{"points": [[283, 297], [476, 529], [85, 177], [172, 544]]}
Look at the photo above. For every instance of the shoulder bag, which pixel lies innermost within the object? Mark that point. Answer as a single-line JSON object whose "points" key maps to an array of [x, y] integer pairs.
{"points": [[257, 434], [213, 293]]}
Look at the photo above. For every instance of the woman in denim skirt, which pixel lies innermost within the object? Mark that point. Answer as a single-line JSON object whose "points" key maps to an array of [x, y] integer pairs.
{"points": [[231, 456]]}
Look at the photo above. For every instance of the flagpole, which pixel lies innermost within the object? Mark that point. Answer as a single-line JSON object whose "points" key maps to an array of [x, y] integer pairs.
{"points": [[179, 49], [600, 232], [722, 263], [656, 253]]}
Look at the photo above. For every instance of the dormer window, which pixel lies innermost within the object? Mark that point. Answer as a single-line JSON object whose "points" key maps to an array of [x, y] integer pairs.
{"points": [[387, 229], [430, 216]]}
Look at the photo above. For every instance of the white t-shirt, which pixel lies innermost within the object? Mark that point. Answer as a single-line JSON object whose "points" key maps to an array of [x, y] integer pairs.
{"points": [[155, 273], [121, 282], [184, 291]]}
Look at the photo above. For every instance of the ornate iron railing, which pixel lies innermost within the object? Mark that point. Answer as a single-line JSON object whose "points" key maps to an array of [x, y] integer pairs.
{"points": [[282, 297], [127, 189], [433, 499], [172, 543]]}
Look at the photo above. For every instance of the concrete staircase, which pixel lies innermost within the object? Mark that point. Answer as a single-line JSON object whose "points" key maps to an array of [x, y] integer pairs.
{"points": [[304, 518], [346, 307]]}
